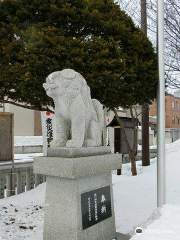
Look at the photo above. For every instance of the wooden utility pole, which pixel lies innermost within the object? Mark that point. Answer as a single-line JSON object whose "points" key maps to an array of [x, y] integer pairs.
{"points": [[145, 106]]}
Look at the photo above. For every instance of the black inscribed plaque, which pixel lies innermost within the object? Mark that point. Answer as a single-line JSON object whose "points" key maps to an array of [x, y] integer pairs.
{"points": [[96, 206]]}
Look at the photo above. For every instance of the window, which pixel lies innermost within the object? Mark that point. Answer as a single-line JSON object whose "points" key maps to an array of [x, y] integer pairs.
{"points": [[173, 104], [178, 121], [178, 106], [173, 120]]}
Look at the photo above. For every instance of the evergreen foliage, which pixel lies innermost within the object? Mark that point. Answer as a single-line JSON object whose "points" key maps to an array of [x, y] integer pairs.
{"points": [[93, 37]]}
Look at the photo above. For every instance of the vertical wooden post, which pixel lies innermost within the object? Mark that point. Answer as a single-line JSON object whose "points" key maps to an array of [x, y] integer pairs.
{"points": [[13, 168], [28, 180], [8, 184], [18, 177], [44, 178], [37, 180], [145, 106], [2, 182]]}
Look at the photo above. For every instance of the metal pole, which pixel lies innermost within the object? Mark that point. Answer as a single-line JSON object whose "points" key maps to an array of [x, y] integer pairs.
{"points": [[161, 185]]}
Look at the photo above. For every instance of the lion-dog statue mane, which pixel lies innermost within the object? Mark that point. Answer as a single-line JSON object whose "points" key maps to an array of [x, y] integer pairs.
{"points": [[75, 111]]}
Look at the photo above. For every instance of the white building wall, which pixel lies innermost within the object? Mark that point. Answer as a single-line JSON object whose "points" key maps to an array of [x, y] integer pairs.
{"points": [[23, 120], [152, 137]]}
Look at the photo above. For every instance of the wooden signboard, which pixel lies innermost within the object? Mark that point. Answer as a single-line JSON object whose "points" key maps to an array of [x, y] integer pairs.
{"points": [[6, 136], [119, 142]]}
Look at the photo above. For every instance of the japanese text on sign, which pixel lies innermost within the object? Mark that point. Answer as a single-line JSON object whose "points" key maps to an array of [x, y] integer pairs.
{"points": [[49, 131], [96, 206]]}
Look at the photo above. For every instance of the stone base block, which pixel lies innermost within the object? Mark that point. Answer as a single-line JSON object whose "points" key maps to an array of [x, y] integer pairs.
{"points": [[63, 213], [121, 236], [76, 200], [76, 167], [65, 152]]}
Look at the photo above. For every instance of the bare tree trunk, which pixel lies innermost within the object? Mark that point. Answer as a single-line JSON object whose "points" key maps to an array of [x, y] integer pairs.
{"points": [[133, 165], [145, 135], [130, 151], [135, 128], [143, 17], [145, 107]]}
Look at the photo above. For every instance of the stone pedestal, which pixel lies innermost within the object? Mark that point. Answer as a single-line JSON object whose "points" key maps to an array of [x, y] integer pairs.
{"points": [[79, 195]]}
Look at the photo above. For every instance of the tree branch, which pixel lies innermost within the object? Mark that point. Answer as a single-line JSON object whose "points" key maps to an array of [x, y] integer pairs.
{"points": [[27, 106]]}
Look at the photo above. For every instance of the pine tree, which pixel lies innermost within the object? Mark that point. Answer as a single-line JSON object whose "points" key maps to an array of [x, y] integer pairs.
{"points": [[93, 37]]}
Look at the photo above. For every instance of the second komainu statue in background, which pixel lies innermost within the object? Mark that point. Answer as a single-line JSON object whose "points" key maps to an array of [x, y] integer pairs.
{"points": [[75, 111]]}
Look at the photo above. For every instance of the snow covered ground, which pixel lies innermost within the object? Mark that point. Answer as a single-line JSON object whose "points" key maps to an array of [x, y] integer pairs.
{"points": [[26, 157], [21, 217], [151, 147], [135, 197], [28, 140], [163, 224]]}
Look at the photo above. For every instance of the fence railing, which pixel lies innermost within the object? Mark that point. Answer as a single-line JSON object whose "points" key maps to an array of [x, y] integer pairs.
{"points": [[24, 178], [28, 149]]}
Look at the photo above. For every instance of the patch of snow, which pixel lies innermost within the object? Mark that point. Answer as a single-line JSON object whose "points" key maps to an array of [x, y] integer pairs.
{"points": [[22, 158], [25, 157], [150, 147], [164, 223], [28, 140], [135, 199], [173, 147], [22, 215], [153, 147]]}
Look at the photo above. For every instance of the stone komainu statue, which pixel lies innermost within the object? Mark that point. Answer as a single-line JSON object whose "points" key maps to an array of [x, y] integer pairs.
{"points": [[75, 111]]}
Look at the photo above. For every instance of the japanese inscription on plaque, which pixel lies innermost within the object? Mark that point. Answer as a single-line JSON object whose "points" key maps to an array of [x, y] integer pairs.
{"points": [[49, 131], [96, 206]]}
